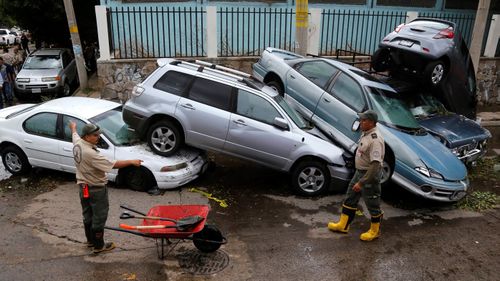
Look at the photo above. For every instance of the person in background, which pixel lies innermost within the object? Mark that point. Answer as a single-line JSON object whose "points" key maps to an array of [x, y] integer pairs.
{"points": [[25, 43], [8, 76]]}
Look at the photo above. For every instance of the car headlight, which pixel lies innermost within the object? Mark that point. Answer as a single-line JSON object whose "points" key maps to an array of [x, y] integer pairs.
{"points": [[51, 79], [430, 173], [173, 167], [23, 80]]}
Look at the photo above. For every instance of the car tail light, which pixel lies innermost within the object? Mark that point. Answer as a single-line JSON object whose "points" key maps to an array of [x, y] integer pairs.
{"points": [[137, 91], [398, 28], [445, 33]]}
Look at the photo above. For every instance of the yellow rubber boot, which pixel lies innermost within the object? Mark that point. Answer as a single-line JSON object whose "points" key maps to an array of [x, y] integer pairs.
{"points": [[374, 231], [345, 220]]}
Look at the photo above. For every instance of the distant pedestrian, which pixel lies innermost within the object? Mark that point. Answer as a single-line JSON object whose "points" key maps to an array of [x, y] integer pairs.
{"points": [[8, 57], [8, 76], [25, 43], [1, 91], [91, 169], [366, 180]]}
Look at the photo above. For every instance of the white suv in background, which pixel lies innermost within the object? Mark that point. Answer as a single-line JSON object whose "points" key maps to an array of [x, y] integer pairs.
{"points": [[6, 37], [221, 109]]}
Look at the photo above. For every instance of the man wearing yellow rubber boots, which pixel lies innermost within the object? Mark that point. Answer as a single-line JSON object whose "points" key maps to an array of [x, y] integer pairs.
{"points": [[366, 180]]}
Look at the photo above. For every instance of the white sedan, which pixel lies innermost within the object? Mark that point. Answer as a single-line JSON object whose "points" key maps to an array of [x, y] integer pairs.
{"points": [[39, 135]]}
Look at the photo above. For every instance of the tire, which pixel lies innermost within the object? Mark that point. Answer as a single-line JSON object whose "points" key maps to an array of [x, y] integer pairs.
{"points": [[277, 87], [310, 178], [136, 178], [164, 138], [387, 168], [66, 91], [434, 73], [381, 60], [15, 161], [202, 240]]}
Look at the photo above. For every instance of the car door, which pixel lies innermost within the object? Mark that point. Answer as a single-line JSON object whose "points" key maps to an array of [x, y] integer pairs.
{"points": [[253, 136], [306, 83], [66, 146], [41, 142], [204, 113], [69, 65], [337, 110]]}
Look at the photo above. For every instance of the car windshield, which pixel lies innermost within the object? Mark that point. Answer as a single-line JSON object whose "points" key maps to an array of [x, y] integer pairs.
{"points": [[423, 106], [42, 62], [297, 119], [391, 109], [113, 127]]}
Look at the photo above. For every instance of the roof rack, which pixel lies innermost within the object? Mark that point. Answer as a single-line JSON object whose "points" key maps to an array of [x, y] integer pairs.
{"points": [[233, 73]]}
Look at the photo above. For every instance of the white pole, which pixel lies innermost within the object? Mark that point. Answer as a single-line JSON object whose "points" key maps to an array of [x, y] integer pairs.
{"points": [[211, 31], [102, 32], [493, 37]]}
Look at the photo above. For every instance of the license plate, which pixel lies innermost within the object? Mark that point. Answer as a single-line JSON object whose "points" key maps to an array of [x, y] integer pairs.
{"points": [[406, 43], [36, 91]]}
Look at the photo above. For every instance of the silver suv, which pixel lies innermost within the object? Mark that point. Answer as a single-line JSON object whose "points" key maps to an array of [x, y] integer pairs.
{"points": [[49, 72], [221, 109]]}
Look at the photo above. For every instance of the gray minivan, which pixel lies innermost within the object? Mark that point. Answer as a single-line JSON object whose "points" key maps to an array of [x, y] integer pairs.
{"points": [[47, 72], [220, 109]]}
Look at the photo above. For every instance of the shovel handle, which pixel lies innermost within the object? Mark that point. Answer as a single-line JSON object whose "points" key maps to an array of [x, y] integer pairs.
{"points": [[135, 227]]}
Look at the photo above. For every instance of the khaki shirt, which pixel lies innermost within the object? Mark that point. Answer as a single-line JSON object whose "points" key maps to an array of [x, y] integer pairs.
{"points": [[91, 166], [370, 148]]}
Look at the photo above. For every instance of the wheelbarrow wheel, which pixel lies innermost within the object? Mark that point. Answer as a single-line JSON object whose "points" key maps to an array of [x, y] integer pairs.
{"points": [[209, 239]]}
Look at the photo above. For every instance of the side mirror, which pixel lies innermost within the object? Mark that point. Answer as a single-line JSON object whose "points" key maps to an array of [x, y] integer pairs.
{"points": [[355, 126], [280, 123]]}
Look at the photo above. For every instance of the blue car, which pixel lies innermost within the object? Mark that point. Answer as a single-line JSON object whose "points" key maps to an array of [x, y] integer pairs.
{"points": [[464, 137], [330, 93]]}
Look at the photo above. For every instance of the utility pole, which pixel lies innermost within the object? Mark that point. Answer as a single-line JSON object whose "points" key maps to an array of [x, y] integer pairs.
{"points": [[77, 45], [478, 32], [301, 23]]}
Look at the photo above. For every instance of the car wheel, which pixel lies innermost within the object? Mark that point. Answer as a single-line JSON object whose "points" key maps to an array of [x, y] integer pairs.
{"points": [[164, 138], [381, 60], [310, 178], [387, 171], [136, 178], [277, 87], [15, 161], [434, 73], [209, 239], [66, 89]]}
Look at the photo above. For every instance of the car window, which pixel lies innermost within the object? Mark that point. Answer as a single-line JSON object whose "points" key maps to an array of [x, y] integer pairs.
{"points": [[174, 82], [67, 130], [2, 32], [42, 124], [318, 72], [211, 93], [113, 127], [66, 59], [255, 107], [347, 90]]}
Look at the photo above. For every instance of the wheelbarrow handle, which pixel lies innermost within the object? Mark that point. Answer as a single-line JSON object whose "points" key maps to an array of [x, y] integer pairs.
{"points": [[132, 210], [126, 215]]}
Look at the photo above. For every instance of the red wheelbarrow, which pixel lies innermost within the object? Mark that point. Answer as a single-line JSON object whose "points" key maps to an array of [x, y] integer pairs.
{"points": [[174, 222]]}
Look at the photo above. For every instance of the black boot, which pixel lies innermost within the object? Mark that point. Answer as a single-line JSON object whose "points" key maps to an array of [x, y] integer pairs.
{"points": [[99, 245], [89, 235]]}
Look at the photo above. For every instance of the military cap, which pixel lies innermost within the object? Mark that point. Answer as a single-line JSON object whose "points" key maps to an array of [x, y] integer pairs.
{"points": [[369, 114], [90, 129]]}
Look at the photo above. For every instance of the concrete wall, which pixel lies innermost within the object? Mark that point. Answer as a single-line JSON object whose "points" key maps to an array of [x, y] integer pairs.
{"points": [[118, 77]]}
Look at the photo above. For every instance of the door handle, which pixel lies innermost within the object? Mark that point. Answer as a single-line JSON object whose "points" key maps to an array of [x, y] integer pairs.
{"points": [[326, 100], [67, 149], [240, 122], [28, 141], [188, 106], [291, 76]]}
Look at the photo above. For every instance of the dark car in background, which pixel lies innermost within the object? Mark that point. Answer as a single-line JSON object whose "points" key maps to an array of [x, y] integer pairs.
{"points": [[47, 72], [431, 51], [463, 136]]}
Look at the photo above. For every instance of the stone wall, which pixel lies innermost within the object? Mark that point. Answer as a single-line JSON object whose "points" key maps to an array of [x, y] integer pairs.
{"points": [[118, 77]]}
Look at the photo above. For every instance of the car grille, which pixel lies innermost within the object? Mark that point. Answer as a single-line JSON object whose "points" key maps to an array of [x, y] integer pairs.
{"points": [[37, 86]]}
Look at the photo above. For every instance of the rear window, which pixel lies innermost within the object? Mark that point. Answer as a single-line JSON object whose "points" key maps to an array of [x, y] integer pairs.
{"points": [[174, 82], [429, 24]]}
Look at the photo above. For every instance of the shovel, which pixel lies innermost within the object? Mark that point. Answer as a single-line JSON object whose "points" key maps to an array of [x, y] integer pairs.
{"points": [[181, 224]]}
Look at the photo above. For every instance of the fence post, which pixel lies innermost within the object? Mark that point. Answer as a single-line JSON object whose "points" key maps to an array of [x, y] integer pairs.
{"points": [[102, 32], [314, 31], [493, 37], [411, 16], [478, 32], [211, 31]]}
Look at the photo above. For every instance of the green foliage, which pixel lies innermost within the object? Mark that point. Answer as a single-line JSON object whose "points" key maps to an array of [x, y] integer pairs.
{"points": [[479, 201], [484, 169]]}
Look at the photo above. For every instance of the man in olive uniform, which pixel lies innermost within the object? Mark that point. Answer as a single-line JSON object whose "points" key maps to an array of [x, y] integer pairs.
{"points": [[91, 169], [366, 180]]}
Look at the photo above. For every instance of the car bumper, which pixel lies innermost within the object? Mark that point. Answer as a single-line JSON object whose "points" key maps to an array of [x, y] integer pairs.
{"points": [[174, 179], [430, 188], [38, 89], [134, 120], [258, 71]]}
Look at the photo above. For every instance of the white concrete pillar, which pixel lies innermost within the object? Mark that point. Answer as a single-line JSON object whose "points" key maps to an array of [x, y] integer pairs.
{"points": [[314, 31], [411, 16], [493, 37], [102, 32], [211, 31]]}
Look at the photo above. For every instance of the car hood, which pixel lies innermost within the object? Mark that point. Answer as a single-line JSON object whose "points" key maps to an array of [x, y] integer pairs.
{"points": [[152, 160], [409, 148], [457, 130], [36, 73]]}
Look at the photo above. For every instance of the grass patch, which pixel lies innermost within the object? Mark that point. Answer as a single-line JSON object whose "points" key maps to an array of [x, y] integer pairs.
{"points": [[484, 169], [88, 90], [479, 201]]}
